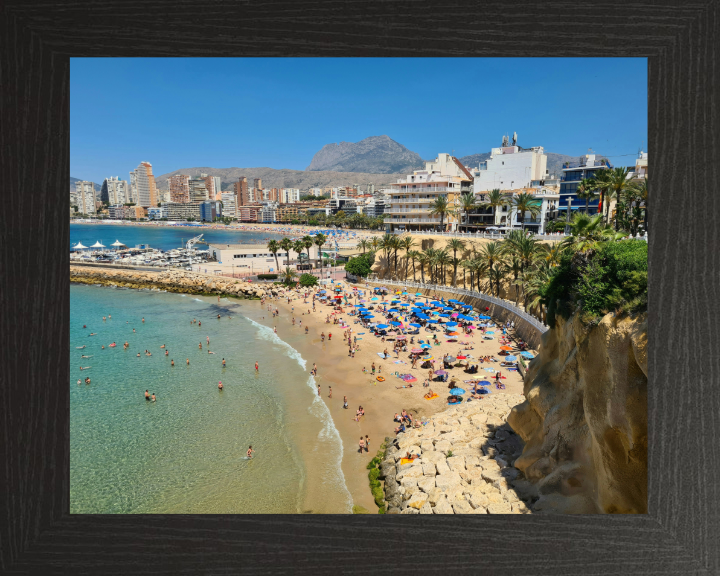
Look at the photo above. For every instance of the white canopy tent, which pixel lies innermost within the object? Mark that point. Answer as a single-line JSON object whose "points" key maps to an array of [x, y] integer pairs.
{"points": [[117, 244], [79, 246], [97, 245]]}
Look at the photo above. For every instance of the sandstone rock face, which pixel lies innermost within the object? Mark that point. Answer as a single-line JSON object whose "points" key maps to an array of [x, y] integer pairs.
{"points": [[584, 420]]}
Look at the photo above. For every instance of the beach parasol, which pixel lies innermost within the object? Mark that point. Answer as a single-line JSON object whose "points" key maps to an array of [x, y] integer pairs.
{"points": [[461, 357], [481, 317], [383, 326], [418, 294], [527, 355], [79, 246], [456, 391], [368, 316], [374, 299], [404, 304], [402, 337], [117, 244], [483, 383], [505, 348], [428, 357], [511, 358], [416, 350], [456, 315], [440, 372], [450, 359], [322, 291], [396, 323], [454, 301], [444, 315], [415, 325], [97, 245]]}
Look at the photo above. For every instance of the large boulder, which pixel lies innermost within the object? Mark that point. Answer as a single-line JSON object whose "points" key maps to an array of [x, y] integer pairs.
{"points": [[447, 480], [417, 500], [499, 508]]}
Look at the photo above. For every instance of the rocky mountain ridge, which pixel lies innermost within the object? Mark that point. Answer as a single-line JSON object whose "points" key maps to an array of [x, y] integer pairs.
{"points": [[376, 154]]}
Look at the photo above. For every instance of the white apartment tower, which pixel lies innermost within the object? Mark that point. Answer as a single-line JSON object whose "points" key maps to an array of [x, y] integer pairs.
{"points": [[510, 167], [117, 190], [85, 196]]}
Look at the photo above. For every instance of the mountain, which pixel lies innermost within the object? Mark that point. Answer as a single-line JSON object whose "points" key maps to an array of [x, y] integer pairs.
{"points": [[376, 154], [73, 180], [284, 178]]}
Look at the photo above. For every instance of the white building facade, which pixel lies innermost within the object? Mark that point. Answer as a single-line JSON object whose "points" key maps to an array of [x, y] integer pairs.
{"points": [[510, 168], [289, 195], [117, 190], [85, 197], [229, 201]]}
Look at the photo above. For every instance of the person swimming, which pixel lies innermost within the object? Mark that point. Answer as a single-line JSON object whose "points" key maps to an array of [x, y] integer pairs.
{"points": [[220, 386]]}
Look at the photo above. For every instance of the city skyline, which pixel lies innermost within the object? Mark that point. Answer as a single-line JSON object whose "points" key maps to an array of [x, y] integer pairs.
{"points": [[279, 112]]}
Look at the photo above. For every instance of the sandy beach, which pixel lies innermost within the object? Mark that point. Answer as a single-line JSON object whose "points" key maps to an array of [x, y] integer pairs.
{"points": [[380, 400]]}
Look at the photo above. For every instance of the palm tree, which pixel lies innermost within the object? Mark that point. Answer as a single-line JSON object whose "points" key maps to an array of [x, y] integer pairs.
{"points": [[286, 244], [497, 275], [491, 255], [586, 232], [407, 243], [375, 243], [466, 265], [525, 203], [430, 261], [274, 247], [640, 193], [495, 200], [299, 246], [455, 244], [319, 241], [363, 244], [289, 275], [467, 203], [617, 183], [423, 259], [307, 242], [412, 255], [395, 245], [443, 260], [586, 191], [441, 207]]}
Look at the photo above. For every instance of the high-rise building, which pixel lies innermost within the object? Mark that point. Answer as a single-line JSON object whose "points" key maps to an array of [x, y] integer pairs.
{"points": [[257, 183], [142, 183], [274, 195], [85, 195], [229, 201], [217, 185], [179, 188], [241, 191], [289, 195], [114, 191], [198, 189]]}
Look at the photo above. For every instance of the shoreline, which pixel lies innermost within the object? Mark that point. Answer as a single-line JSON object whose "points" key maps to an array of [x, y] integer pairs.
{"points": [[381, 400], [287, 229]]}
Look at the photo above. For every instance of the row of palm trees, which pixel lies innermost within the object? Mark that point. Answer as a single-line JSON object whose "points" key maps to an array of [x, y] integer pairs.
{"points": [[467, 202], [299, 245], [341, 219], [519, 262], [630, 195]]}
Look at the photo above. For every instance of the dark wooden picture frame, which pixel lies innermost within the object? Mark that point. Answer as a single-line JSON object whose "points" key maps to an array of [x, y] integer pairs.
{"points": [[681, 533]]}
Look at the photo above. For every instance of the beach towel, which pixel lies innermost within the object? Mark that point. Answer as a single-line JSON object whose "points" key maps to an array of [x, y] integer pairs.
{"points": [[406, 460], [381, 355], [399, 362], [431, 397]]}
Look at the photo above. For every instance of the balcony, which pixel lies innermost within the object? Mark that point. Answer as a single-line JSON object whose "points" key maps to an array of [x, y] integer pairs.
{"points": [[406, 210], [413, 220], [408, 189]]}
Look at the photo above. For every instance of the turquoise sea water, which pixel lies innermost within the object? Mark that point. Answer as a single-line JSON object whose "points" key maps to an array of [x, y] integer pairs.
{"points": [[161, 237], [185, 453]]}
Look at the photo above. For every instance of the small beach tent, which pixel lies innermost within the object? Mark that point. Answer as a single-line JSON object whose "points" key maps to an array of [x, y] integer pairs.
{"points": [[79, 246], [117, 244], [97, 245]]}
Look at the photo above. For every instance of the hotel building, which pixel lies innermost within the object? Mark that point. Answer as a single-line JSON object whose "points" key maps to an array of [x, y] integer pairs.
{"points": [[410, 200], [142, 186], [179, 185], [85, 197]]}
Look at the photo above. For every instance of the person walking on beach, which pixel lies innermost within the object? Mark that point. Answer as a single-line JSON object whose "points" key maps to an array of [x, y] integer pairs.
{"points": [[345, 402], [367, 443], [362, 445], [330, 394], [250, 452], [257, 367], [329, 336], [318, 389], [322, 337], [314, 369], [373, 368]]}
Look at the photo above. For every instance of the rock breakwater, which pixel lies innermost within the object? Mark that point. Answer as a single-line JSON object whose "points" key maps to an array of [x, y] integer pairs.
{"points": [[464, 463], [169, 280]]}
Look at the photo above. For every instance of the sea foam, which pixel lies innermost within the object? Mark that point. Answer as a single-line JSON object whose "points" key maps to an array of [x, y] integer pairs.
{"points": [[318, 408]]}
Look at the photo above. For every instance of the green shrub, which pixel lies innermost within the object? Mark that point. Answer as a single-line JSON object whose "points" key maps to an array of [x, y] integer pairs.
{"points": [[308, 280], [375, 461], [449, 454], [379, 496], [361, 265], [373, 474], [381, 510]]}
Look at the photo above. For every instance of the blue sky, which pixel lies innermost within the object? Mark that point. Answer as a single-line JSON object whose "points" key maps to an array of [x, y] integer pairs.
{"points": [[277, 112]]}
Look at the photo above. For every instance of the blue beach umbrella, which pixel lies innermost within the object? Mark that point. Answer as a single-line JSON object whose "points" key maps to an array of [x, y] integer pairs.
{"points": [[451, 324], [456, 391], [483, 383], [490, 332], [383, 326], [481, 317], [368, 316], [511, 358], [447, 309], [358, 305], [426, 346], [467, 305], [404, 305], [418, 294], [415, 325], [374, 299], [396, 323], [321, 291], [526, 355], [444, 315]]}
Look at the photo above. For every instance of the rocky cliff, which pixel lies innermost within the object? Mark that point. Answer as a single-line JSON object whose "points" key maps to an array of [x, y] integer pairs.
{"points": [[378, 154], [584, 418]]}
